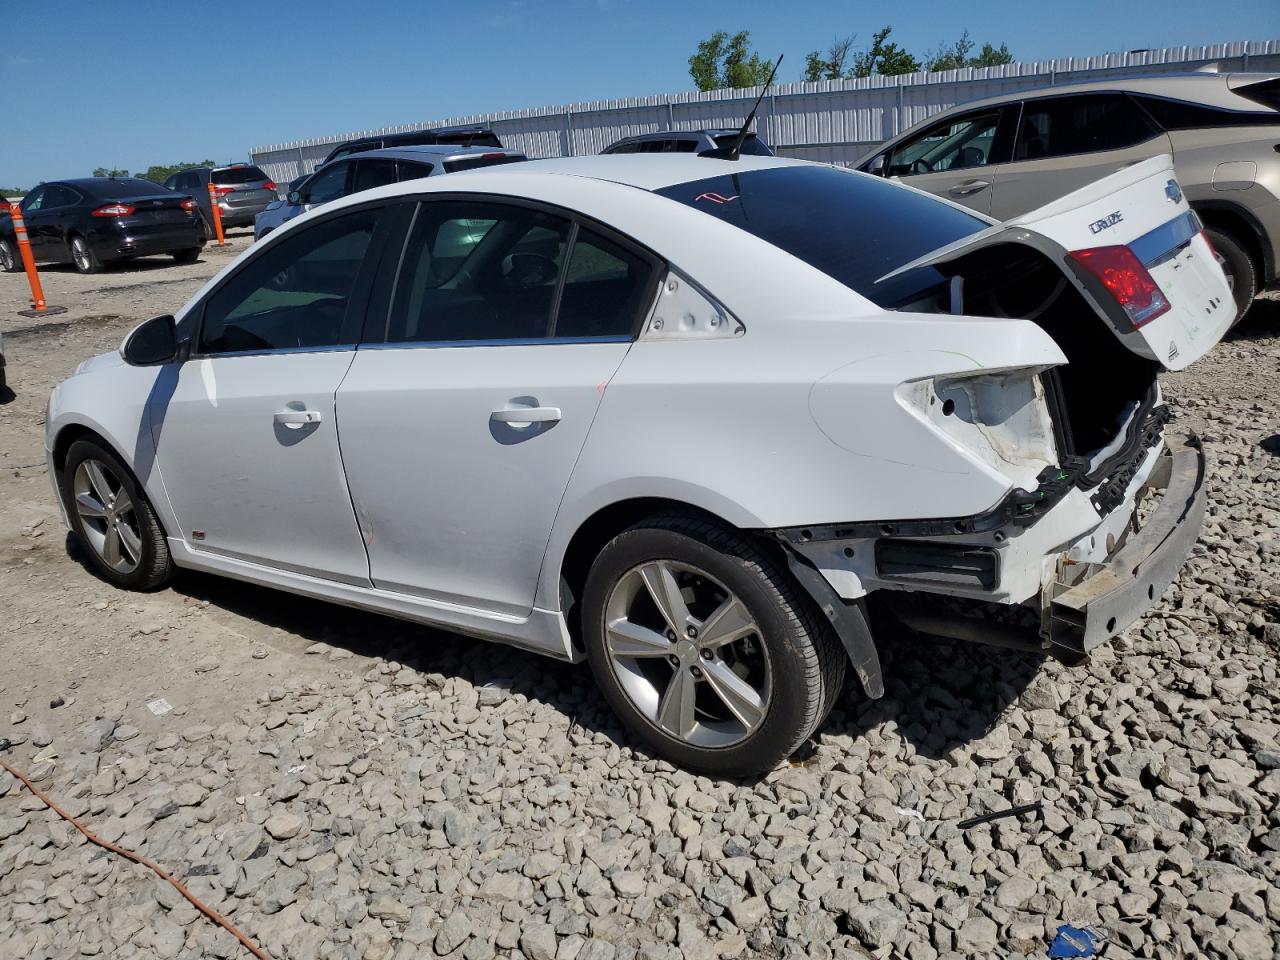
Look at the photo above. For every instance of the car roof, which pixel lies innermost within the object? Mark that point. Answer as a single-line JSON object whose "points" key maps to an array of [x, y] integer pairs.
{"points": [[1211, 89], [99, 183], [425, 151]]}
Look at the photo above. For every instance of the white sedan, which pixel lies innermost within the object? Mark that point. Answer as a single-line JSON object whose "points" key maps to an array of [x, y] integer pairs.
{"points": [[681, 417]]}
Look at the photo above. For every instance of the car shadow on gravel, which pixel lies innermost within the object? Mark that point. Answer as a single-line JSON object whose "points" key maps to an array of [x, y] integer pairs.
{"points": [[940, 695]]}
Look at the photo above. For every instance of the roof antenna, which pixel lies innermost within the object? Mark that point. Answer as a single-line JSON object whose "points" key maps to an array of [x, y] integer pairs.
{"points": [[735, 151]]}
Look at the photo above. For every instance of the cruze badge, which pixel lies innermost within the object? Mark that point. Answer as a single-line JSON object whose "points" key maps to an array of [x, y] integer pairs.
{"points": [[1106, 223], [1173, 191], [715, 197]]}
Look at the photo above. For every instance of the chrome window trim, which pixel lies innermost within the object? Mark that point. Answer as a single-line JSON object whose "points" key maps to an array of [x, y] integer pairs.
{"points": [[331, 348], [512, 342]]}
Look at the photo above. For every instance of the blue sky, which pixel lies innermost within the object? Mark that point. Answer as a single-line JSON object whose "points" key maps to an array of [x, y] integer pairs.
{"points": [[127, 85]]}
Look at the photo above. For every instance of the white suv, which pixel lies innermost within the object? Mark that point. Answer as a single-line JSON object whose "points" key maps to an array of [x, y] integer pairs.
{"points": [[680, 417]]}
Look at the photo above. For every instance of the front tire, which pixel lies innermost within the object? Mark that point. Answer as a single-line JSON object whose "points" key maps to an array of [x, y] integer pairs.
{"points": [[706, 648], [82, 255], [113, 519], [1238, 266], [9, 261], [186, 256]]}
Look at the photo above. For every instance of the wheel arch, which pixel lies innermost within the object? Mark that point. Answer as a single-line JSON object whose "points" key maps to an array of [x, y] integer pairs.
{"points": [[601, 526], [72, 431], [1246, 228]]}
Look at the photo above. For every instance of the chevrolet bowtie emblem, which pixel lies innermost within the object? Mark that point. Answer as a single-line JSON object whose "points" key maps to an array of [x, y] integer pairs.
{"points": [[1173, 191]]}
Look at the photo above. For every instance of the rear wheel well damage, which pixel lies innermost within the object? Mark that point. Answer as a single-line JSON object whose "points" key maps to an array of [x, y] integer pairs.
{"points": [[1244, 229], [847, 620]]}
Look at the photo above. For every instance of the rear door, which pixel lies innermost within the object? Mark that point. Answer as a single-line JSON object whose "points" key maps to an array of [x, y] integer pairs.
{"points": [[1063, 143], [1136, 251], [465, 411], [373, 172], [955, 158]]}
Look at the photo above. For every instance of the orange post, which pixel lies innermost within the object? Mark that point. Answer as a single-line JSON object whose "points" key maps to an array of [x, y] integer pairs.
{"points": [[28, 261], [217, 214]]}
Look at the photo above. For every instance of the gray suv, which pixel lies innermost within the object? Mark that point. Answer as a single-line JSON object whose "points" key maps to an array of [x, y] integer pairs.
{"points": [[688, 141], [243, 192], [1007, 155]]}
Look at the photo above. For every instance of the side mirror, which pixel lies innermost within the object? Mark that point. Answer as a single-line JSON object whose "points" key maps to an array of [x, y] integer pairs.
{"points": [[295, 198], [151, 343]]}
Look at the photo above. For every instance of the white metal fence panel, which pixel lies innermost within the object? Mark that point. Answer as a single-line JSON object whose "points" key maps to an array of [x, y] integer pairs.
{"points": [[833, 120]]}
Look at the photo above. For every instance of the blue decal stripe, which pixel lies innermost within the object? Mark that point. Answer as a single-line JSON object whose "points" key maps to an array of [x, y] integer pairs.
{"points": [[1165, 239]]}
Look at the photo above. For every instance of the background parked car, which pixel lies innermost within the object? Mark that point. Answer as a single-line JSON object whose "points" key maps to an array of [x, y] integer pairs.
{"points": [[1005, 155], [458, 136], [243, 191], [688, 141], [376, 168], [96, 220]]}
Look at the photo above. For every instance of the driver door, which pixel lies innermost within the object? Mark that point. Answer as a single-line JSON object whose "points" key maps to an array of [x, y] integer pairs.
{"points": [[953, 158], [247, 439]]}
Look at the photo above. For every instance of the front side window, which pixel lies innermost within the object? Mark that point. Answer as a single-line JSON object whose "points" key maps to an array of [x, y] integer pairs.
{"points": [[477, 271], [329, 184], [952, 145], [35, 200], [295, 295], [1063, 126]]}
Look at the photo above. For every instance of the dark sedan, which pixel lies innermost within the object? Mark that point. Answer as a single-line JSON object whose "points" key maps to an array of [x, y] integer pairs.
{"points": [[97, 220]]}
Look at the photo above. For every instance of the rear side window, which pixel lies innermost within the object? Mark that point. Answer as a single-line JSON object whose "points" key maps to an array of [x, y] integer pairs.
{"points": [[752, 145], [232, 176], [373, 172], [482, 272], [409, 170], [293, 296], [1062, 126], [484, 160], [1180, 115], [853, 227], [57, 195]]}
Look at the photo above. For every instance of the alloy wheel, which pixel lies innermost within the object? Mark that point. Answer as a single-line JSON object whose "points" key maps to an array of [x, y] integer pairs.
{"points": [[80, 253], [107, 516], [7, 261], [688, 654]]}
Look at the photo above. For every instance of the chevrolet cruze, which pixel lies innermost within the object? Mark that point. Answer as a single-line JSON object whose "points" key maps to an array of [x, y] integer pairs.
{"points": [[681, 417]]}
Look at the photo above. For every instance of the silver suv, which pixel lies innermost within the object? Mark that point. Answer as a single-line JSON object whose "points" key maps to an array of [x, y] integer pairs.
{"points": [[243, 192], [688, 141], [1006, 155]]}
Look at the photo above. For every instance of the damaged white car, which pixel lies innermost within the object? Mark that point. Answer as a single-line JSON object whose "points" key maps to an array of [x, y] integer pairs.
{"points": [[678, 416]]}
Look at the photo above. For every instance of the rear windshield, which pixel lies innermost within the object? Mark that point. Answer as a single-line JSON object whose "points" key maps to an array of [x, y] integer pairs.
{"points": [[486, 160], [752, 145], [853, 227], [238, 175], [126, 189], [470, 138]]}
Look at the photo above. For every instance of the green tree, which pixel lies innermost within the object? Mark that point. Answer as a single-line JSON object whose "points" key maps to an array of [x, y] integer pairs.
{"points": [[13, 192], [106, 172], [886, 59], [727, 61], [831, 65], [159, 173], [957, 55]]}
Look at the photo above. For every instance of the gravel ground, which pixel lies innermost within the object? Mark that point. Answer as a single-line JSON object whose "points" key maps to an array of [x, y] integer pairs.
{"points": [[344, 785]]}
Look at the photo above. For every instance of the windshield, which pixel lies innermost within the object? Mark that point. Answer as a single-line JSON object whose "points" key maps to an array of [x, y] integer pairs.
{"points": [[853, 227], [237, 175]]}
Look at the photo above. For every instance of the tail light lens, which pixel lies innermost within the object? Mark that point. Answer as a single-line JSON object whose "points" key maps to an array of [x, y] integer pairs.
{"points": [[269, 185], [1126, 279], [223, 191], [189, 205], [114, 210], [4, 205]]}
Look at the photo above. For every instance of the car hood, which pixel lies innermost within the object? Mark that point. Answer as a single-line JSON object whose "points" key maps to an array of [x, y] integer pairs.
{"points": [[103, 361]]}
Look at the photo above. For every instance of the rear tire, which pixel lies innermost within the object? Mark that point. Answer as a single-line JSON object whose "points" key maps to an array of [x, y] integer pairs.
{"points": [[186, 256], [9, 261], [113, 519], [1238, 266], [756, 698], [83, 257]]}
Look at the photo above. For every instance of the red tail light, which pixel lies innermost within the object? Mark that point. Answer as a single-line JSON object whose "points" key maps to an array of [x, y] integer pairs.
{"points": [[4, 205], [189, 205], [1126, 279], [223, 191], [114, 210], [269, 185]]}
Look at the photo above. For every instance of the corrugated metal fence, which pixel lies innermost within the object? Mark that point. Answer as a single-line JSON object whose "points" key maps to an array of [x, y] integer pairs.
{"points": [[833, 120]]}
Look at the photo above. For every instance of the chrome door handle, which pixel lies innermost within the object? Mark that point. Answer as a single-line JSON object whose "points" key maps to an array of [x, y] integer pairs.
{"points": [[298, 418], [524, 416], [968, 187]]}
